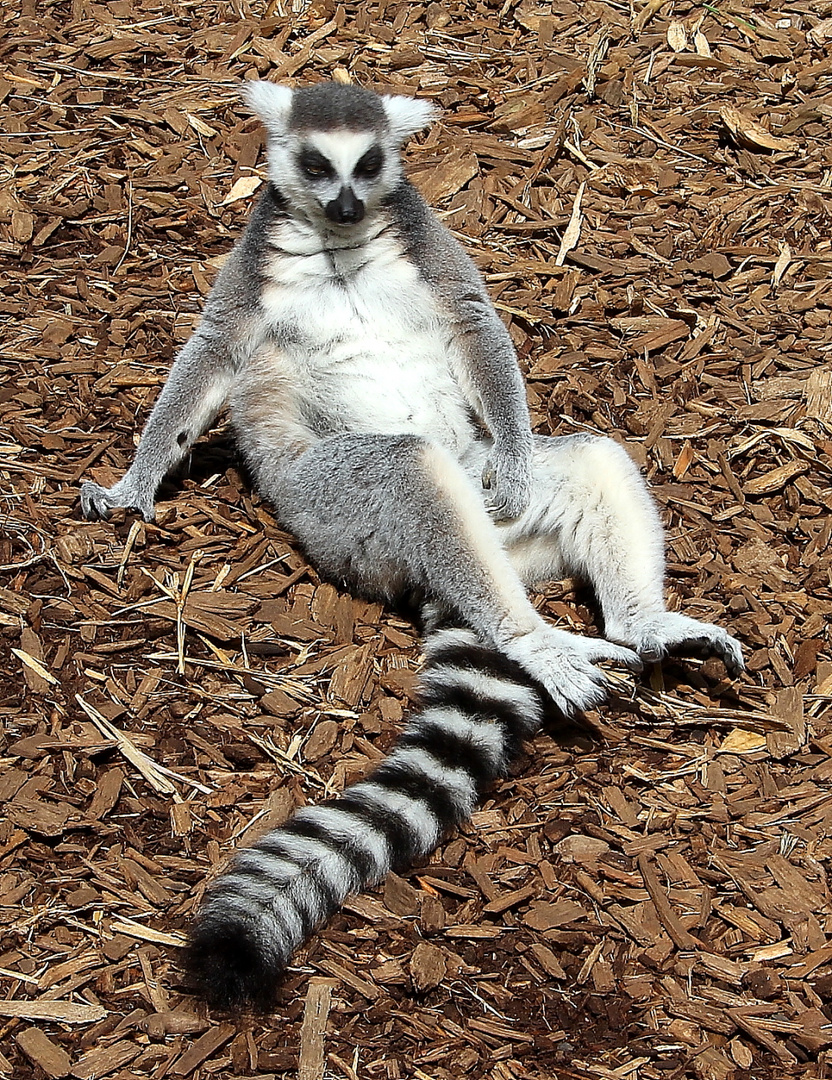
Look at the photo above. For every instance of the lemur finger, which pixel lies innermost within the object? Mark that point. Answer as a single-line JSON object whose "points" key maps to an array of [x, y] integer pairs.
{"points": [[618, 654], [652, 652], [497, 506], [589, 694], [97, 502], [732, 657], [94, 502], [489, 475], [726, 647], [504, 507], [576, 686], [722, 645], [562, 667]]}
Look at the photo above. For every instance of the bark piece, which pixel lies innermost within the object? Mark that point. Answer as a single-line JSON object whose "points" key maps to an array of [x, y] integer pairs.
{"points": [[313, 1029], [44, 1053], [427, 967]]}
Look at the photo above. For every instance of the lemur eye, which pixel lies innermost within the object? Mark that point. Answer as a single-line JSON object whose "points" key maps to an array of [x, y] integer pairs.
{"points": [[314, 165], [370, 164]]}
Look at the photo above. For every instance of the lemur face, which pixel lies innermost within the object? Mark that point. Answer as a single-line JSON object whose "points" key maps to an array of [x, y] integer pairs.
{"points": [[333, 150], [346, 172]]}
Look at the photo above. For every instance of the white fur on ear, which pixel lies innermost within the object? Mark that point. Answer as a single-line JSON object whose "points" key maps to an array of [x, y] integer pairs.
{"points": [[272, 103], [407, 115]]}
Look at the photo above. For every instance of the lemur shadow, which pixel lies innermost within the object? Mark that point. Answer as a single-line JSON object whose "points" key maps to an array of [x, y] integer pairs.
{"points": [[578, 734], [210, 456]]}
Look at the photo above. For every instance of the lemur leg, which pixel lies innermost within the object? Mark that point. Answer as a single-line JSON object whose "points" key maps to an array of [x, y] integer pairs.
{"points": [[392, 513], [592, 517], [194, 393]]}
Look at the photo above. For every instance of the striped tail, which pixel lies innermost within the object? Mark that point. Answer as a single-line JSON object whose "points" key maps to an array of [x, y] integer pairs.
{"points": [[476, 708]]}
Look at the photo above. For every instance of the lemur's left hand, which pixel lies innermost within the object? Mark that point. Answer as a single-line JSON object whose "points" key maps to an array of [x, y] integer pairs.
{"points": [[507, 481]]}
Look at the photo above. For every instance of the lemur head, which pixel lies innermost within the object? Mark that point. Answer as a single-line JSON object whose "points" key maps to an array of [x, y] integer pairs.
{"points": [[333, 150]]}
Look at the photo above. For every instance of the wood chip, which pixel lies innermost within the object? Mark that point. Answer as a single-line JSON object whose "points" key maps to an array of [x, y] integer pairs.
{"points": [[544, 916], [204, 1047], [680, 937], [63, 1012], [365, 988], [35, 673], [573, 229], [748, 132], [315, 1013], [44, 1053], [427, 967], [104, 1060]]}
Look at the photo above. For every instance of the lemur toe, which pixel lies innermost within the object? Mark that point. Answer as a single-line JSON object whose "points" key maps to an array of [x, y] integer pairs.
{"points": [[729, 650], [584, 687], [616, 654], [713, 641], [589, 698], [564, 666]]}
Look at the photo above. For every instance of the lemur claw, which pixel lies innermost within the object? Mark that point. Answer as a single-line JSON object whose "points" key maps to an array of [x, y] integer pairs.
{"points": [[506, 476]]}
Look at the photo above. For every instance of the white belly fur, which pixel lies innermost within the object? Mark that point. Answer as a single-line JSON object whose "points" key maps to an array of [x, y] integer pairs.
{"points": [[367, 348]]}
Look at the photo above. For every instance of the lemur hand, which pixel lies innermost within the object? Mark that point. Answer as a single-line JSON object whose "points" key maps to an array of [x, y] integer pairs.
{"points": [[128, 494], [507, 479]]}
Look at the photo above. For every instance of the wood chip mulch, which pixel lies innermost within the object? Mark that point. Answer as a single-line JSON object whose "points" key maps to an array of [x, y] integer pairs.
{"points": [[648, 192]]}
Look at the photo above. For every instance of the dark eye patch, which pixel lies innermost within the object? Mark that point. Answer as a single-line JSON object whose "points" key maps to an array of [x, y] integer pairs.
{"points": [[370, 163], [314, 164]]}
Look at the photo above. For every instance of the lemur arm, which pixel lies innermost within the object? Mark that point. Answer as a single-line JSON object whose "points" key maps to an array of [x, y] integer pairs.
{"points": [[194, 393], [491, 379], [198, 385], [488, 371]]}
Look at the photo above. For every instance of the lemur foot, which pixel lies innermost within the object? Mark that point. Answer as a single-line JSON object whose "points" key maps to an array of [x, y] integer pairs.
{"points": [[565, 665], [98, 501], [672, 633]]}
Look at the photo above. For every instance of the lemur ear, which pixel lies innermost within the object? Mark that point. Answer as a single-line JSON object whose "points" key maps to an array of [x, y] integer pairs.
{"points": [[272, 103], [407, 115]]}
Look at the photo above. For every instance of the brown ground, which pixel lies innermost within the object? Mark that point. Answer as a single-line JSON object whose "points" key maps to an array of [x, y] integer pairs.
{"points": [[650, 905]]}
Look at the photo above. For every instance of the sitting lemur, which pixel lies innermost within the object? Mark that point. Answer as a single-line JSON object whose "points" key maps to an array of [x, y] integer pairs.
{"points": [[377, 399]]}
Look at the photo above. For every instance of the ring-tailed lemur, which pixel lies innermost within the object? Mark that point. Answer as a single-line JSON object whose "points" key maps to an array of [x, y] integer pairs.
{"points": [[377, 398]]}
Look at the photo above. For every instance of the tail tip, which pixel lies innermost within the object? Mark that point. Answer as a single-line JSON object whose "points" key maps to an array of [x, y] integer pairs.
{"points": [[231, 968]]}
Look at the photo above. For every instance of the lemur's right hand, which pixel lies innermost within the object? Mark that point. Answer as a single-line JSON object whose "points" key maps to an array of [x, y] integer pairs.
{"points": [[507, 479], [98, 501]]}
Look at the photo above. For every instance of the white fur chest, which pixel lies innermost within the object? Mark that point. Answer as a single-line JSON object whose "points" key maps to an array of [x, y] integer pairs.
{"points": [[368, 347]]}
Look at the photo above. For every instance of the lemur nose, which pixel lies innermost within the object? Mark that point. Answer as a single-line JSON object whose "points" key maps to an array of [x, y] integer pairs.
{"points": [[346, 209]]}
